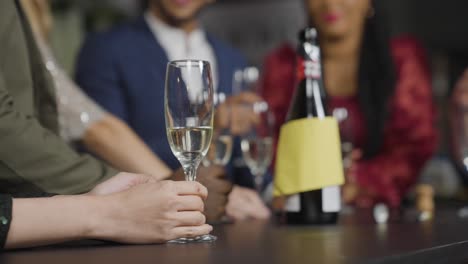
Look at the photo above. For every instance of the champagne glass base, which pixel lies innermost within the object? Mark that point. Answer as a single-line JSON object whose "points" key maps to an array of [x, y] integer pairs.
{"points": [[198, 239]]}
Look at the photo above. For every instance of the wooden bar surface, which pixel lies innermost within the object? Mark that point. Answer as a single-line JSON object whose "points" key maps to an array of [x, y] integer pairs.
{"points": [[356, 239]]}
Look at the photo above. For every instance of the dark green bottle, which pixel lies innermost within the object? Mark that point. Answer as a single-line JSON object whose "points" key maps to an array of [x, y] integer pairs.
{"points": [[318, 206]]}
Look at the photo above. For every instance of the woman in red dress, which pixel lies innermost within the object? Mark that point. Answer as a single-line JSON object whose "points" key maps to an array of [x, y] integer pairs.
{"points": [[384, 84]]}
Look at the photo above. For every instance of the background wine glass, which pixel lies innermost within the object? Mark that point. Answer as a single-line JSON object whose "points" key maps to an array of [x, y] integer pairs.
{"points": [[345, 123], [257, 143], [346, 134], [189, 106], [220, 151], [245, 80]]}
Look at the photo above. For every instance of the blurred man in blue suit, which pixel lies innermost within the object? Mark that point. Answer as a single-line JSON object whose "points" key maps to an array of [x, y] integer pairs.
{"points": [[124, 71]]}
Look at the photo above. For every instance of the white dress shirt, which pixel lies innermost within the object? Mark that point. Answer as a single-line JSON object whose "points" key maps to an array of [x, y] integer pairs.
{"points": [[180, 45]]}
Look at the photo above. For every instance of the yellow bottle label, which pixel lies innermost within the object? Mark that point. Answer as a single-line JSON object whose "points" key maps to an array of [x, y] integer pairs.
{"points": [[309, 156]]}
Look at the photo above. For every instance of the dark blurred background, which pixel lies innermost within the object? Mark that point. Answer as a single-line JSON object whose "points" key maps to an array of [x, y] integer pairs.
{"points": [[257, 26]]}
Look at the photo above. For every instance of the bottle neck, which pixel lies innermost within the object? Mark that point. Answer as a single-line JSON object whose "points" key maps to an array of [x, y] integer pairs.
{"points": [[309, 75]]}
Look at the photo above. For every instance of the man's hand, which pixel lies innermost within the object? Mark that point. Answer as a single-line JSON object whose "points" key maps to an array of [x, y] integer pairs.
{"points": [[154, 212], [246, 203], [237, 113], [121, 182], [213, 178]]}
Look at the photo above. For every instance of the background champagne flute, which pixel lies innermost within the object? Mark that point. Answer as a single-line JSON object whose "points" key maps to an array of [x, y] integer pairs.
{"points": [[245, 79], [220, 151], [257, 143], [346, 134], [347, 138], [188, 107]]}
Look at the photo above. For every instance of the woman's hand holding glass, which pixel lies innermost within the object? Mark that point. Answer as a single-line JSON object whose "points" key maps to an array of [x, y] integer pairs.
{"points": [[149, 211], [189, 107]]}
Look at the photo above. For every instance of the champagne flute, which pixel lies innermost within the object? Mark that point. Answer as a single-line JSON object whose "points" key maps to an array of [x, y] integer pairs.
{"points": [[347, 139], [245, 79], [257, 143], [220, 151], [345, 123], [188, 104]]}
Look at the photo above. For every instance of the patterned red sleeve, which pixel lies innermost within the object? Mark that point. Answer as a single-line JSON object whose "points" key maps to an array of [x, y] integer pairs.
{"points": [[410, 137]]}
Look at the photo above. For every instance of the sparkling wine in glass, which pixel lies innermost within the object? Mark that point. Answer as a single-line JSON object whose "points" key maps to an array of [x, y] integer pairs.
{"points": [[188, 107], [220, 151], [257, 153], [189, 145], [257, 143]]}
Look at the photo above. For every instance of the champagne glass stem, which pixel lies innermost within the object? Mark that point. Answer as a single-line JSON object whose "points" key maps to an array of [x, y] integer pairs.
{"points": [[190, 172], [258, 181]]}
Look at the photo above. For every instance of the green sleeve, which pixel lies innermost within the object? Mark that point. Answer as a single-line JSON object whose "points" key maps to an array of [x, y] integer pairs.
{"points": [[33, 154]]}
